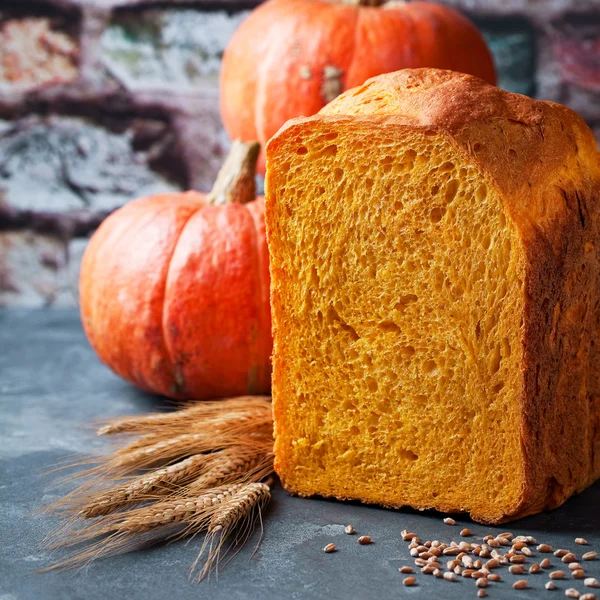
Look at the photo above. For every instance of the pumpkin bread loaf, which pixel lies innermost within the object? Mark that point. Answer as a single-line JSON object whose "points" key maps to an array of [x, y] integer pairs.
{"points": [[434, 266]]}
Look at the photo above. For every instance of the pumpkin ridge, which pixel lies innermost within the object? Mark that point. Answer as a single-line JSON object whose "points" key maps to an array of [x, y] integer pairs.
{"points": [[261, 291], [354, 46], [177, 385]]}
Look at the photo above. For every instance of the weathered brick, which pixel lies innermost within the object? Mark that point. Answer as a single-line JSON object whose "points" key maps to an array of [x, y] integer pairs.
{"points": [[512, 42], [168, 49], [65, 163], [33, 270], [34, 53], [569, 65], [576, 50], [535, 9]]}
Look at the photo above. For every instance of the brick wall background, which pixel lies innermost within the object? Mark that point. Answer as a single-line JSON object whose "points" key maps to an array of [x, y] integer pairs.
{"points": [[105, 100]]}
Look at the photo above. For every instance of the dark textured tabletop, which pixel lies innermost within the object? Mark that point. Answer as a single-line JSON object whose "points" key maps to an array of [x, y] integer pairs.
{"points": [[51, 383]]}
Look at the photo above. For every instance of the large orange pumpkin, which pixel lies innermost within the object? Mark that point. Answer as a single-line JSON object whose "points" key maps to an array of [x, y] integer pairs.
{"points": [[174, 289], [291, 57]]}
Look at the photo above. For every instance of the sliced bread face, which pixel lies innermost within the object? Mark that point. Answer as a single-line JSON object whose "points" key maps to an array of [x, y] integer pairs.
{"points": [[396, 297], [406, 301]]}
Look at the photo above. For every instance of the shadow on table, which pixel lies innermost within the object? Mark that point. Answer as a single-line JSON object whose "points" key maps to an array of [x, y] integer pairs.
{"points": [[579, 515]]}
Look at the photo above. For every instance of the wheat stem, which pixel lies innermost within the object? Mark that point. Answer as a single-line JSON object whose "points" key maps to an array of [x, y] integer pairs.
{"points": [[242, 408]]}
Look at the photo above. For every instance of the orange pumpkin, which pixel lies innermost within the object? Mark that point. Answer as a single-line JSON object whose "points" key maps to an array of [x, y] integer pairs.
{"points": [[174, 289], [291, 57]]}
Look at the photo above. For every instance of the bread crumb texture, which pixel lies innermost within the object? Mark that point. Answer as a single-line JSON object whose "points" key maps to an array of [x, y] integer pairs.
{"points": [[434, 277]]}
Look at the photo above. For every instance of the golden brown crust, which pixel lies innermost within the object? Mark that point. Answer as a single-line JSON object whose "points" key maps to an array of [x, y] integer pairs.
{"points": [[545, 165]]}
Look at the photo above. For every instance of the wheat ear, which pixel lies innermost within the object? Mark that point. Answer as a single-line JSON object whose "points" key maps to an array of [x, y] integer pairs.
{"points": [[197, 473], [156, 483], [237, 515], [220, 411]]}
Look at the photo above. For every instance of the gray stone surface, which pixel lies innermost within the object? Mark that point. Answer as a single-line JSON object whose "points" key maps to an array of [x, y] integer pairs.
{"points": [[67, 163], [51, 384], [161, 48]]}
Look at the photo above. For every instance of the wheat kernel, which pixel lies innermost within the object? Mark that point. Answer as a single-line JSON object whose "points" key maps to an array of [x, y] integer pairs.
{"points": [[578, 574], [477, 574], [518, 546], [329, 548], [569, 557], [494, 577], [414, 552], [544, 548], [482, 582], [545, 563], [492, 564], [493, 543], [560, 552], [349, 529], [465, 532], [590, 556], [406, 570], [458, 570], [420, 562], [450, 576], [427, 570], [516, 569], [581, 541], [481, 593], [437, 573], [409, 581], [520, 585], [506, 534], [526, 551], [587, 596], [574, 566], [572, 593], [468, 572], [363, 540], [534, 568], [450, 551], [591, 582], [449, 521], [558, 575], [518, 559], [550, 585]]}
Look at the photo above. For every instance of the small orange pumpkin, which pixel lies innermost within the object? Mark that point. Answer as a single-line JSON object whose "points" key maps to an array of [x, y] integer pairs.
{"points": [[174, 289], [291, 57]]}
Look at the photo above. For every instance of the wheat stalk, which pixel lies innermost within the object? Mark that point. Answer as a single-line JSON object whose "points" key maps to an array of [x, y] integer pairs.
{"points": [[156, 483], [121, 532], [159, 451], [244, 408], [212, 457], [197, 473]]}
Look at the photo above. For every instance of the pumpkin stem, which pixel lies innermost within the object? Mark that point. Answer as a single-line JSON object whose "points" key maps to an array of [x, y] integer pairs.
{"points": [[235, 182]]}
